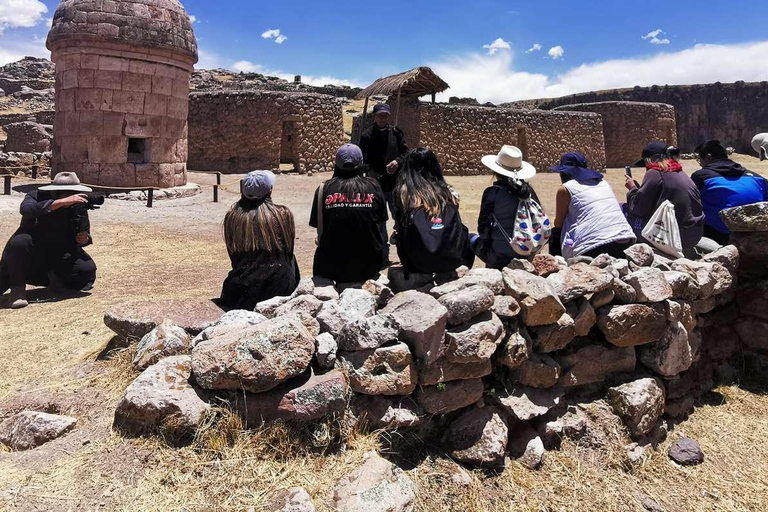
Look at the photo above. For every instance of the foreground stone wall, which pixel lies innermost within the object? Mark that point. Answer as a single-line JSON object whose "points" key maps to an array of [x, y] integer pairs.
{"points": [[462, 134], [489, 364], [732, 113], [629, 125], [235, 132]]}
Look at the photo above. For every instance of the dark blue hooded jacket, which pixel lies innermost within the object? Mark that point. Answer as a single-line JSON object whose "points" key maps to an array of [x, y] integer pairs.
{"points": [[726, 184]]}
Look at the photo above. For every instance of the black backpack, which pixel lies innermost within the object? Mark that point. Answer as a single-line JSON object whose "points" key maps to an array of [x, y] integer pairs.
{"points": [[429, 244]]}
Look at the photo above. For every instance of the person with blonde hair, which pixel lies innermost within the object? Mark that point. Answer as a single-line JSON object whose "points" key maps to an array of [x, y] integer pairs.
{"points": [[430, 235], [259, 236], [665, 180]]}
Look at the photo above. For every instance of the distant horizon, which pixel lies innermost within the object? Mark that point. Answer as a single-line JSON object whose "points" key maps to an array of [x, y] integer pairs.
{"points": [[492, 50]]}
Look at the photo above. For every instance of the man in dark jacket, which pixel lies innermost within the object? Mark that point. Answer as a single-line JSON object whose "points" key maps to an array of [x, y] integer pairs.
{"points": [[724, 184], [47, 249], [383, 148]]}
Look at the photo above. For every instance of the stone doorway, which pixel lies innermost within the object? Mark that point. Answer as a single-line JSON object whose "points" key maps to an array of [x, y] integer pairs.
{"points": [[289, 150]]}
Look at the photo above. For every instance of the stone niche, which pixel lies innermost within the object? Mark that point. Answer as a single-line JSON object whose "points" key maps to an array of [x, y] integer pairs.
{"points": [[122, 87]]}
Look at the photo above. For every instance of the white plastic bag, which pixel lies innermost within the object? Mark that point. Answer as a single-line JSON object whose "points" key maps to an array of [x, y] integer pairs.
{"points": [[663, 231]]}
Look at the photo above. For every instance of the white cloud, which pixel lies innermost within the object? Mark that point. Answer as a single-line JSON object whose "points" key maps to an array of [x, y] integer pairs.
{"points": [[13, 50], [207, 60], [270, 34], [280, 39], [535, 48], [498, 44], [244, 66], [192, 18], [556, 52], [653, 37], [494, 77], [21, 13]]}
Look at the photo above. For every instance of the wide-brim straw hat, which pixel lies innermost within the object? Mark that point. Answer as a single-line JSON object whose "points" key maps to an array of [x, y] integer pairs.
{"points": [[66, 181], [509, 162]]}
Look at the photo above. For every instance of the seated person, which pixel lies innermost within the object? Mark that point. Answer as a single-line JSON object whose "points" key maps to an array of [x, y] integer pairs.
{"points": [[47, 249], [498, 207], [348, 211], [665, 180], [430, 235], [259, 236], [760, 145], [589, 219], [724, 184]]}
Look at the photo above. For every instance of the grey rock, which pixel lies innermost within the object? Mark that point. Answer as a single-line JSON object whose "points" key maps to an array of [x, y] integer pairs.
{"points": [[603, 298], [640, 254], [640, 404], [400, 281], [593, 363], [632, 324], [537, 297], [294, 499], [540, 371], [571, 425], [445, 370], [165, 340], [325, 350], [422, 322], [268, 307], [332, 318], [463, 305], [358, 301], [580, 280], [686, 451], [521, 264], [671, 354], [449, 396], [380, 412], [527, 447], [368, 333], [30, 429], [746, 219], [727, 256], [525, 403], [650, 285], [505, 307], [305, 287], [583, 314], [376, 486], [381, 371], [478, 436], [549, 338], [308, 304], [381, 292], [518, 346], [475, 341], [683, 284], [486, 277]]}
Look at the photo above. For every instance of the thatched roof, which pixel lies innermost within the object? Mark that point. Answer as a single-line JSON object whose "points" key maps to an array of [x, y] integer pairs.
{"points": [[416, 82]]}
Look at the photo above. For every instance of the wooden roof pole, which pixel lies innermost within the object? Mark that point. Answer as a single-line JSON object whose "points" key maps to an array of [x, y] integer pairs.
{"points": [[362, 122], [397, 112]]}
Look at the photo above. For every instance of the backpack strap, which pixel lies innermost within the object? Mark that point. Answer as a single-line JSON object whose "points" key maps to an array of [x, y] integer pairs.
{"points": [[320, 201], [501, 228]]}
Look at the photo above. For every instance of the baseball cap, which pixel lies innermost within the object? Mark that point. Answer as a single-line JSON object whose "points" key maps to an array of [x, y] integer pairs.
{"points": [[349, 156], [257, 184], [652, 149], [382, 108]]}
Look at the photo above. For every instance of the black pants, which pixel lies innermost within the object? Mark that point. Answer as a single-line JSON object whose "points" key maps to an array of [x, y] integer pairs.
{"points": [[25, 263]]}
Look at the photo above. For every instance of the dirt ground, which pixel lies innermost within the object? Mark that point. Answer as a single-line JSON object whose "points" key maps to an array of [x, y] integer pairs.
{"points": [[52, 357]]}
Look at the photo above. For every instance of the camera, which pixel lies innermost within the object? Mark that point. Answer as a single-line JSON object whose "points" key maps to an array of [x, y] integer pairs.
{"points": [[94, 202]]}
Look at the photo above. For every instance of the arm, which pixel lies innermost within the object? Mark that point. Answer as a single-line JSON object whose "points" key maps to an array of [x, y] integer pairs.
{"points": [[562, 203], [642, 201], [485, 219], [313, 213], [83, 236]]}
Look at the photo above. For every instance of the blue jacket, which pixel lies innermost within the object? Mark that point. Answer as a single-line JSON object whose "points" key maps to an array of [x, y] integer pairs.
{"points": [[726, 184]]}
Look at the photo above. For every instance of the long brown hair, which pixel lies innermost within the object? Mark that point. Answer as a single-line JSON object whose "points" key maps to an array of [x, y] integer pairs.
{"points": [[420, 184], [259, 226]]}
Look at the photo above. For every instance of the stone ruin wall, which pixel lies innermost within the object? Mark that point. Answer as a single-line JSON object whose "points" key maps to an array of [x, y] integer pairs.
{"points": [[236, 132], [461, 135], [106, 97], [628, 126], [732, 113], [483, 362]]}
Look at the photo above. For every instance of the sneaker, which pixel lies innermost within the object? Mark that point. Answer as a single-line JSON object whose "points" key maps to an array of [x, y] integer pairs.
{"points": [[17, 299]]}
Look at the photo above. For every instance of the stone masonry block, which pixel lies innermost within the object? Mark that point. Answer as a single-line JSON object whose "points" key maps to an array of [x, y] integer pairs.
{"points": [[87, 99], [91, 122], [107, 100], [137, 82], [65, 100], [89, 61], [113, 123], [74, 149], [68, 61], [162, 85], [177, 107], [108, 63], [85, 78], [181, 89], [156, 104], [162, 150], [141, 67], [108, 79], [129, 102], [146, 175], [118, 175], [143, 126], [166, 175], [108, 150], [68, 79]]}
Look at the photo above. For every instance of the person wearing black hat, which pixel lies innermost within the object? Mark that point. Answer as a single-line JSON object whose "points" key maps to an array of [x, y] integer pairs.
{"points": [[260, 236], [348, 211], [47, 249], [665, 180], [589, 219], [724, 184]]}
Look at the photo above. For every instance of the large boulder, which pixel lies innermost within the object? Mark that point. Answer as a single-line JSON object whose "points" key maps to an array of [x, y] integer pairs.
{"points": [[671, 354], [450, 396], [683, 284], [486, 277], [229, 321], [268, 307], [478, 436], [632, 324], [753, 253], [524, 403], [306, 398], [376, 486], [445, 370], [746, 219], [381, 371], [505, 307], [308, 304], [358, 301], [583, 314], [475, 341], [593, 363], [640, 254], [134, 320], [255, 359], [464, 305], [579, 280], [539, 303], [368, 333], [30, 429], [162, 399], [713, 278], [650, 285], [422, 322], [165, 340], [332, 317], [387, 412], [540, 371], [640, 404], [549, 338]]}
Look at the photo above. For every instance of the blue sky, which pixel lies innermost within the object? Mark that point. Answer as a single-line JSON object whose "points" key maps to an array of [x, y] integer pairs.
{"points": [[481, 47]]}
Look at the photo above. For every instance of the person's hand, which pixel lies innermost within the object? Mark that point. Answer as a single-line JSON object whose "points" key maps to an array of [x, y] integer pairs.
{"points": [[68, 201], [630, 183], [392, 167], [82, 238]]}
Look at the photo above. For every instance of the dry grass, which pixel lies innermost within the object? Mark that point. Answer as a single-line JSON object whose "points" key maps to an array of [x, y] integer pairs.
{"points": [[175, 251]]}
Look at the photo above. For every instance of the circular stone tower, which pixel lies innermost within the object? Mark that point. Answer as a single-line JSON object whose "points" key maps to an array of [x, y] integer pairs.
{"points": [[122, 87]]}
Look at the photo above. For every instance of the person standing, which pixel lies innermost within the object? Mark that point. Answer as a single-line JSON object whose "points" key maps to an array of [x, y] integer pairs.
{"points": [[348, 212], [384, 149], [724, 184], [259, 236], [47, 249]]}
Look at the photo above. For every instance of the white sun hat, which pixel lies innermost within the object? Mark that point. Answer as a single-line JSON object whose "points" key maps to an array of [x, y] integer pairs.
{"points": [[66, 181], [760, 145], [509, 162]]}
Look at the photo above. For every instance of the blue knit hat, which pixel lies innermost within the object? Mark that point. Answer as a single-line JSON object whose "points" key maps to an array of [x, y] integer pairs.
{"points": [[257, 184]]}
